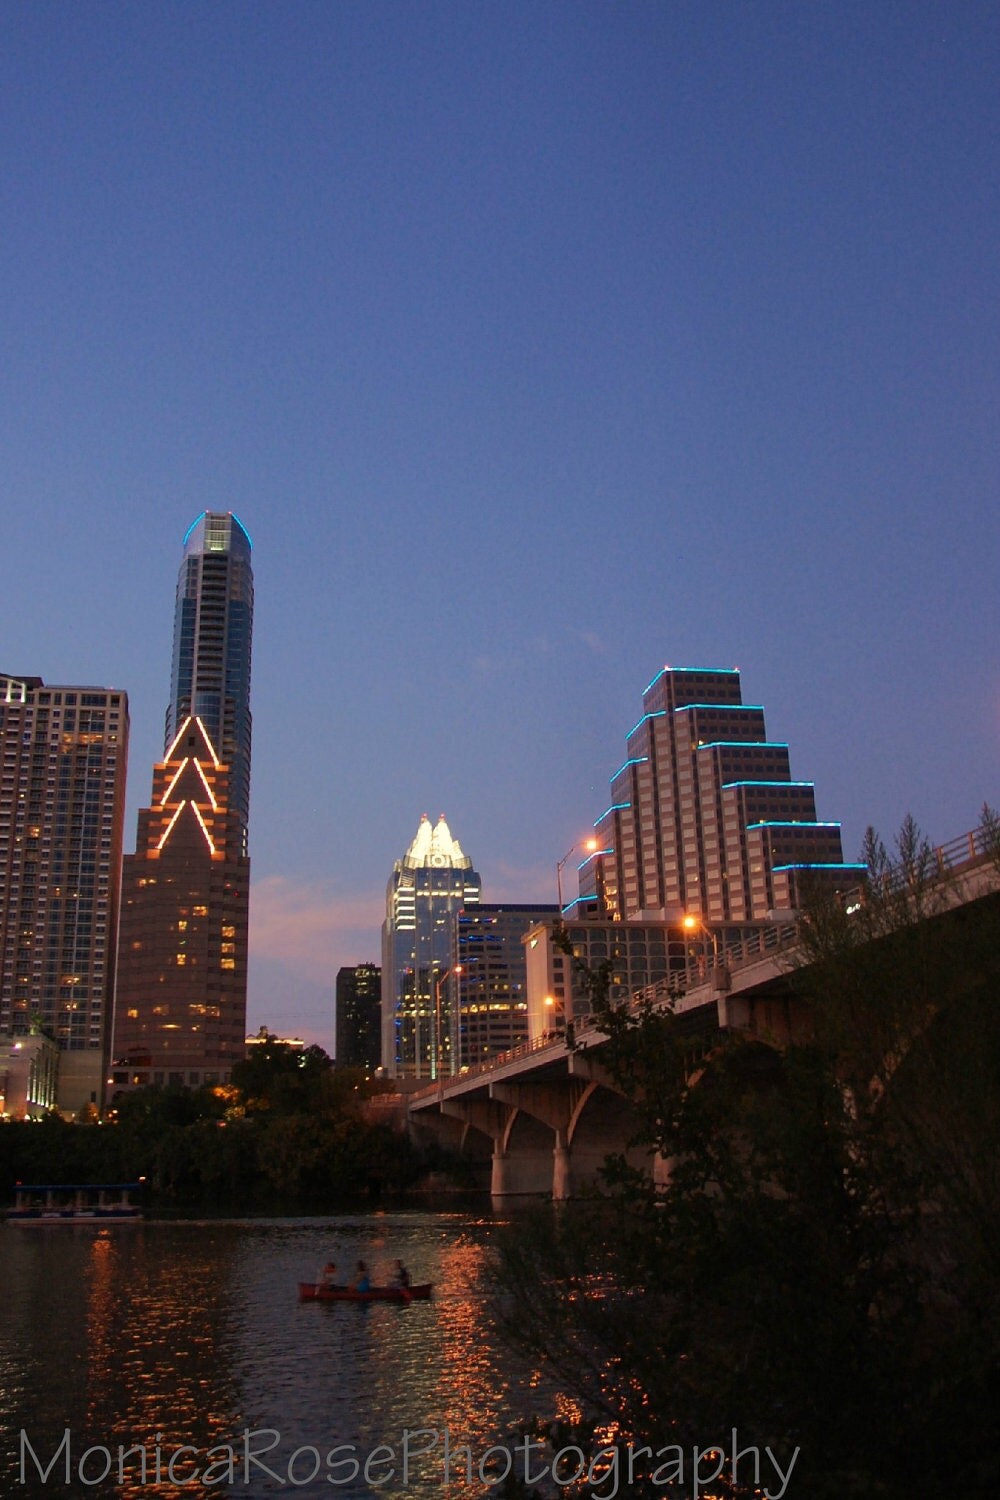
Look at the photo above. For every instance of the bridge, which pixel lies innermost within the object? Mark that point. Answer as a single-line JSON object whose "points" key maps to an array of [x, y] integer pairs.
{"points": [[545, 1115]]}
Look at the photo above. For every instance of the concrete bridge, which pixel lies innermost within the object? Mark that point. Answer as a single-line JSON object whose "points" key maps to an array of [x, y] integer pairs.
{"points": [[545, 1115]]}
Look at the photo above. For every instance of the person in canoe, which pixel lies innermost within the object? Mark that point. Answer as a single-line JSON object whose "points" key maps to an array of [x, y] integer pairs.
{"points": [[400, 1277], [327, 1279], [362, 1281]]}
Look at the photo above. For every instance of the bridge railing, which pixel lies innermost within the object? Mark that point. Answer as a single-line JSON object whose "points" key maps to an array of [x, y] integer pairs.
{"points": [[523, 1049], [945, 860]]}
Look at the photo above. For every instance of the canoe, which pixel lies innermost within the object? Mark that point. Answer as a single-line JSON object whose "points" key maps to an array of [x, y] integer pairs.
{"points": [[310, 1292]]}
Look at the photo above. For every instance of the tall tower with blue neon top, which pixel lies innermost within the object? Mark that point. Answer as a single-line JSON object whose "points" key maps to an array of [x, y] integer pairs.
{"points": [[181, 995], [213, 636]]}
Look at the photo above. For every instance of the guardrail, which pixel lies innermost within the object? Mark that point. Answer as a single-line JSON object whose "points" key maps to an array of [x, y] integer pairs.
{"points": [[943, 860]]}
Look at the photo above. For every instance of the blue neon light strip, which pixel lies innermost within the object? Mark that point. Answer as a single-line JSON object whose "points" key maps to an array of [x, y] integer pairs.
{"points": [[242, 527], [635, 760], [578, 901], [615, 807], [704, 671], [730, 708], [194, 523], [658, 713], [204, 513], [726, 784], [596, 855], [790, 823], [818, 866]]}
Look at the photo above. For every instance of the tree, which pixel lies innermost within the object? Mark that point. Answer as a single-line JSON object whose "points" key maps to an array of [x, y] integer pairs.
{"points": [[820, 1270]]}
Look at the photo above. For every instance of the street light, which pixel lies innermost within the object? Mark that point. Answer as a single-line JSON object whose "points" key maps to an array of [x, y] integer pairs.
{"points": [[436, 1071], [591, 845], [692, 923], [551, 1007]]}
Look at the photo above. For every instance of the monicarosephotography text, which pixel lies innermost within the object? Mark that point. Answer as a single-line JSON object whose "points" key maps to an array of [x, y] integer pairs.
{"points": [[418, 1455]]}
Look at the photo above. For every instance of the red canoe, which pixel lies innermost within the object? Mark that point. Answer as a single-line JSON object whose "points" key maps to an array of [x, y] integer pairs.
{"points": [[310, 1292]]}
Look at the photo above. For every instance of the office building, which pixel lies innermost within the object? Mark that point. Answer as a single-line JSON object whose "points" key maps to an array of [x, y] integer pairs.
{"points": [[29, 1077], [639, 955], [62, 808], [180, 1016], [358, 1030], [213, 634], [182, 967], [428, 887], [487, 988], [704, 816]]}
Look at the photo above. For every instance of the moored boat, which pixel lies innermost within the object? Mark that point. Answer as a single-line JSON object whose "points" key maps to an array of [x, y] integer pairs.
{"points": [[76, 1203], [310, 1291]]}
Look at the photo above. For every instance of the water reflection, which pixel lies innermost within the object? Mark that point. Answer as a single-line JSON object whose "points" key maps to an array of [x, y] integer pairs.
{"points": [[156, 1336]]}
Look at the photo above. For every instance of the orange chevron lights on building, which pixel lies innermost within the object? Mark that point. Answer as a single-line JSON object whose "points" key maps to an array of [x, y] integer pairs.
{"points": [[191, 787], [180, 1015]]}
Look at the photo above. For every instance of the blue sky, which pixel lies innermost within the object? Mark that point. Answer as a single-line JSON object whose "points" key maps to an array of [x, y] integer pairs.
{"points": [[537, 345]]}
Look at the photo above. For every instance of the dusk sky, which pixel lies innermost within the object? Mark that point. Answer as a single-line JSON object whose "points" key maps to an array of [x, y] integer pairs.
{"points": [[537, 345]]}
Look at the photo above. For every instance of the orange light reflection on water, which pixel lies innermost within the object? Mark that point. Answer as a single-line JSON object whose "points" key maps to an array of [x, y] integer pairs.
{"points": [[153, 1358]]}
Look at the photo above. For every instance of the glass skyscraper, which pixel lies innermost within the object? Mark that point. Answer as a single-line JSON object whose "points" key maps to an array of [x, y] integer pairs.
{"points": [[428, 887], [213, 631], [180, 1010]]}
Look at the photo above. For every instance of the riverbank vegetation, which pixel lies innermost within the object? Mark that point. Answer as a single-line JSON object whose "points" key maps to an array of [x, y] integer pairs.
{"points": [[291, 1133], [819, 1274]]}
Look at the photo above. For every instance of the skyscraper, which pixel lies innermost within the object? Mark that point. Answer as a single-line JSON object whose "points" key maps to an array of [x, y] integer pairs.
{"points": [[180, 1013], [488, 987], [213, 633], [704, 816], [358, 1036], [428, 887], [180, 1016], [62, 809]]}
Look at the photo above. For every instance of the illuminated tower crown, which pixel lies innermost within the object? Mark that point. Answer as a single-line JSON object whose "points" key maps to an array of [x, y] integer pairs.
{"points": [[213, 633]]}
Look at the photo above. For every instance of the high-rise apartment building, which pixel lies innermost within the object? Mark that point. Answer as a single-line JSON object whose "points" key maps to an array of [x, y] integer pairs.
{"points": [[62, 808], [213, 633], [357, 1028], [704, 816], [181, 996], [487, 989], [428, 887]]}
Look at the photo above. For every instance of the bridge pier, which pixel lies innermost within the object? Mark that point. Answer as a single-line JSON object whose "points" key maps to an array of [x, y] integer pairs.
{"points": [[562, 1169], [520, 1174]]}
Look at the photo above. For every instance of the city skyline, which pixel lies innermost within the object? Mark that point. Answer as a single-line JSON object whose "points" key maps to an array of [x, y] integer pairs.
{"points": [[536, 350]]}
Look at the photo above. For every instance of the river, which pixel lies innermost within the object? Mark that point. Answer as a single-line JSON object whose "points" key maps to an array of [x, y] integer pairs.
{"points": [[182, 1341]]}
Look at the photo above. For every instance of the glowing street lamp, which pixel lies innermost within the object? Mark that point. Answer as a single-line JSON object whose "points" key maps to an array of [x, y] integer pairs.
{"points": [[591, 845], [692, 923], [436, 1070]]}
